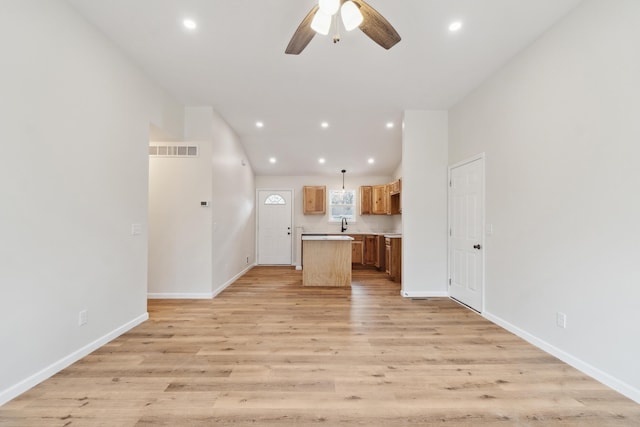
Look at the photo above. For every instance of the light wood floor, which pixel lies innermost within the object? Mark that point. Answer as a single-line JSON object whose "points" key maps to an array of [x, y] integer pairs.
{"points": [[267, 352]]}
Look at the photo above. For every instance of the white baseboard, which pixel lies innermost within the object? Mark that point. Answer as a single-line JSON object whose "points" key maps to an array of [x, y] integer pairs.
{"points": [[180, 295], [35, 379], [199, 295], [429, 294], [226, 284], [298, 267], [606, 379]]}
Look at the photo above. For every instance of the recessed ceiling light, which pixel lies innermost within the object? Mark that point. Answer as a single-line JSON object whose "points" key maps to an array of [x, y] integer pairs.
{"points": [[371, 161], [189, 24], [324, 125], [321, 160], [272, 160], [259, 124], [390, 125], [455, 26]]}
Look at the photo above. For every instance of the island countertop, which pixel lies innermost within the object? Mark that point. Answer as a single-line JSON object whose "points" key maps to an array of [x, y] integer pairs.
{"points": [[317, 237]]}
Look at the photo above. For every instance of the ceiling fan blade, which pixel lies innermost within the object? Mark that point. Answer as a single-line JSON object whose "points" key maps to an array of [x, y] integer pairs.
{"points": [[303, 34], [377, 27]]}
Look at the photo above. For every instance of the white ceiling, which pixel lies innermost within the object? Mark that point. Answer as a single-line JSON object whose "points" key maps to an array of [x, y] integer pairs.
{"points": [[235, 62]]}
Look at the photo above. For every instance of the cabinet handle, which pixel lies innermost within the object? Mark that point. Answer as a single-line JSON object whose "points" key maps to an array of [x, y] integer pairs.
{"points": [[477, 247]]}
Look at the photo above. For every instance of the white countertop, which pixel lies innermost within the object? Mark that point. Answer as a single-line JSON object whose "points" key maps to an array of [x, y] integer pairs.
{"points": [[364, 233], [393, 235], [305, 237]]}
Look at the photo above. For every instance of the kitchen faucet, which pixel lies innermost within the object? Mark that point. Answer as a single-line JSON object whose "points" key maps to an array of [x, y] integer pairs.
{"points": [[344, 224]]}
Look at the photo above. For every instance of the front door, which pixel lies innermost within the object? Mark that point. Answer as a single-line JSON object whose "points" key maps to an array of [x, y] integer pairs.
{"points": [[275, 234], [466, 243]]}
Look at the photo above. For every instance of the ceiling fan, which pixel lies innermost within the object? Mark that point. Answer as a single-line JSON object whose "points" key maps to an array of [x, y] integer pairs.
{"points": [[354, 14]]}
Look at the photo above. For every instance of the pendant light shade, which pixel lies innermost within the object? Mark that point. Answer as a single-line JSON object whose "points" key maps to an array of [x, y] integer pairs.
{"points": [[351, 15], [329, 7], [321, 23]]}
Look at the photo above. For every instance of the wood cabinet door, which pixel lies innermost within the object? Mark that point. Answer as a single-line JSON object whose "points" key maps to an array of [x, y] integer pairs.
{"points": [[314, 200], [380, 253], [379, 196], [356, 252], [365, 199], [370, 250], [387, 256]]}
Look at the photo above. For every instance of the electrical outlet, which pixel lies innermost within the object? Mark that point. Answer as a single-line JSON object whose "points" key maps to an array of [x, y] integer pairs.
{"points": [[561, 320], [83, 318]]}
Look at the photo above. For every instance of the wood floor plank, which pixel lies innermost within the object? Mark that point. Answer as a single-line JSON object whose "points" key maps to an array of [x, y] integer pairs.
{"points": [[269, 352]]}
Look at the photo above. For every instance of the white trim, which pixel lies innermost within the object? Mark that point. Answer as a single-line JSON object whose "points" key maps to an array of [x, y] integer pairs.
{"points": [[200, 295], [180, 295], [428, 294], [229, 282], [606, 379], [480, 156], [35, 379]]}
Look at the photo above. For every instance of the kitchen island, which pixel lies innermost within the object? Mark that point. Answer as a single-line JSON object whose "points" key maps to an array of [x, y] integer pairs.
{"points": [[326, 260]]}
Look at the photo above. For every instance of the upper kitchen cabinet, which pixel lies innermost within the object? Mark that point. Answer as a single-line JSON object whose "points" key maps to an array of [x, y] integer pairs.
{"points": [[394, 206], [379, 200], [314, 199], [366, 192]]}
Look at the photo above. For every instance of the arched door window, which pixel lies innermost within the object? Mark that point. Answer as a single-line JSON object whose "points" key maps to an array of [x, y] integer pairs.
{"points": [[274, 199]]}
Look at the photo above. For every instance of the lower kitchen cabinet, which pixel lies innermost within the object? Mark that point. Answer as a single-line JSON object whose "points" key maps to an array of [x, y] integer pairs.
{"points": [[370, 249], [357, 249], [393, 258]]}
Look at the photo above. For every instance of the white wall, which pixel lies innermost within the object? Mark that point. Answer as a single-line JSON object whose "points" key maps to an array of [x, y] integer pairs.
{"points": [[180, 230], [234, 223], [74, 126], [560, 129], [182, 262], [424, 203]]}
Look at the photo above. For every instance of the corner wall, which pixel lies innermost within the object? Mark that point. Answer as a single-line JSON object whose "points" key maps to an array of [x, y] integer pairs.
{"points": [[424, 203], [560, 129], [74, 121]]}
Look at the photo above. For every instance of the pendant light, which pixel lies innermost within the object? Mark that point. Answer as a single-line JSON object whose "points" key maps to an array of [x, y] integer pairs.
{"points": [[343, 172]]}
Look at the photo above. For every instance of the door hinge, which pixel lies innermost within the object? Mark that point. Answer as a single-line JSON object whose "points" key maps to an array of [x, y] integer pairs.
{"points": [[450, 233], [449, 281]]}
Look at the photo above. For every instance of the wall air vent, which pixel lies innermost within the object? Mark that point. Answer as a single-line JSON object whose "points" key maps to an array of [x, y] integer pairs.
{"points": [[173, 151]]}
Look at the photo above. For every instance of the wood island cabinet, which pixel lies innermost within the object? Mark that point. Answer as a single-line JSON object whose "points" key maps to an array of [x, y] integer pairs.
{"points": [[314, 199]]}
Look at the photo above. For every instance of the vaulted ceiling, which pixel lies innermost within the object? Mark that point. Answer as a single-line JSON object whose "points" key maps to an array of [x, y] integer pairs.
{"points": [[234, 61]]}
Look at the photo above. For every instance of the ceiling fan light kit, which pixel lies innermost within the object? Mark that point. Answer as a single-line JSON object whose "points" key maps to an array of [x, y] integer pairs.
{"points": [[329, 7], [354, 14], [321, 23], [351, 15]]}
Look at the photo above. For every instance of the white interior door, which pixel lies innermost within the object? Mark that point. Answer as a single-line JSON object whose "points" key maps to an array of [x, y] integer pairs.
{"points": [[275, 229], [466, 243]]}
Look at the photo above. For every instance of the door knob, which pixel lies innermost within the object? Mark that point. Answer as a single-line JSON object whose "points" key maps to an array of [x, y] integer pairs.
{"points": [[477, 247]]}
